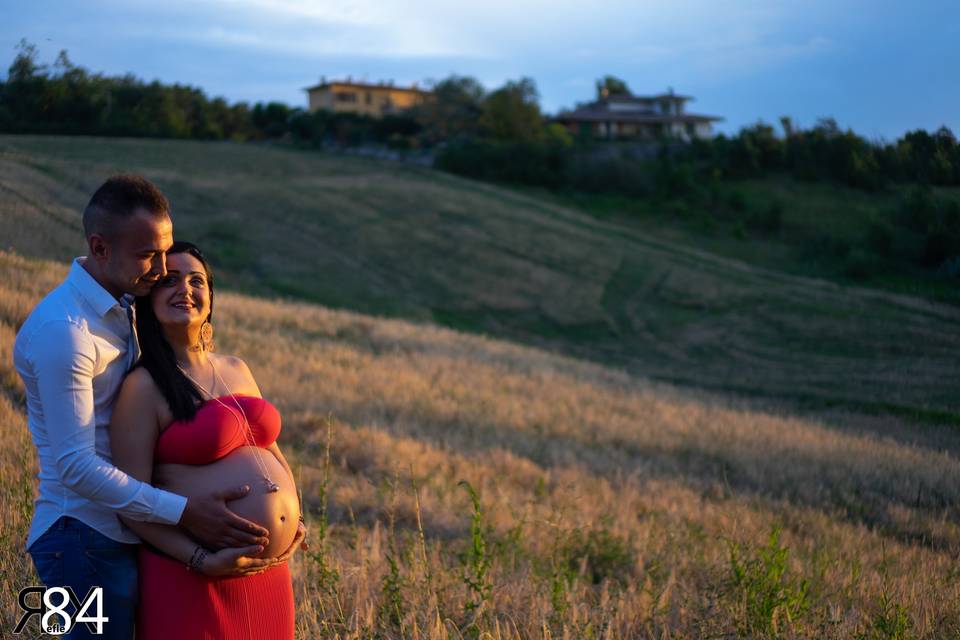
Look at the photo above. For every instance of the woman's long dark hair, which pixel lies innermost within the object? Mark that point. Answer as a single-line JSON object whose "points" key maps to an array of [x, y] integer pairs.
{"points": [[156, 354]]}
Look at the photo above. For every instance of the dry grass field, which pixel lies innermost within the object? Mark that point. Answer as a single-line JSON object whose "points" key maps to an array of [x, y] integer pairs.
{"points": [[608, 506], [686, 447], [409, 242]]}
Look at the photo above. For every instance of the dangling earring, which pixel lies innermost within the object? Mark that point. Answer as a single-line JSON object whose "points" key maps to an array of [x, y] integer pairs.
{"points": [[206, 336]]}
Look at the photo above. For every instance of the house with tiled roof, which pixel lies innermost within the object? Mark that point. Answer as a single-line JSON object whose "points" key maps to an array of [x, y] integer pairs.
{"points": [[624, 116], [364, 98]]}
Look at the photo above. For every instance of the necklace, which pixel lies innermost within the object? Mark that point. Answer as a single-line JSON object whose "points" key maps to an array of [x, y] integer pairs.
{"points": [[243, 424]]}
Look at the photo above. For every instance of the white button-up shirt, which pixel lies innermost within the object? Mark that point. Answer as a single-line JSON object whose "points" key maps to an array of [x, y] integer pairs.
{"points": [[73, 353]]}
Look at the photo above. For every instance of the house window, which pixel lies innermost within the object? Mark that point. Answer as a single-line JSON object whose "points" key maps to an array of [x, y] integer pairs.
{"points": [[344, 96], [368, 98]]}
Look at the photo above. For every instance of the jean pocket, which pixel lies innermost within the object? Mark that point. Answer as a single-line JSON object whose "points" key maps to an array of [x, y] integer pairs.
{"points": [[49, 566], [113, 569]]}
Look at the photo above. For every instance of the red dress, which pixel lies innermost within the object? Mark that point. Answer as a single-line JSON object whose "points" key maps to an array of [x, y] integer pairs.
{"points": [[187, 605]]}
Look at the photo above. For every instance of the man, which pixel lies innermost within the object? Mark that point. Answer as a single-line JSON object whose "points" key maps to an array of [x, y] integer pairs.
{"points": [[72, 353]]}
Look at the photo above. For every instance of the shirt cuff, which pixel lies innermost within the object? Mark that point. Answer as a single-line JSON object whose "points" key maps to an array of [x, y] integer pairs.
{"points": [[169, 508]]}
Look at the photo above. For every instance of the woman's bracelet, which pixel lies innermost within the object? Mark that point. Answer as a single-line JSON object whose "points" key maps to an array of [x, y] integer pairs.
{"points": [[196, 560]]}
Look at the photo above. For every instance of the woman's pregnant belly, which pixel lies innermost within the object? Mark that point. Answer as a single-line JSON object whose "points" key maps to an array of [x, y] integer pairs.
{"points": [[278, 511]]}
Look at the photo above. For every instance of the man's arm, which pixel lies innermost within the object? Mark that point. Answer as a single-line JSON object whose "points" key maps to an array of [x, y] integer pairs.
{"points": [[64, 357], [133, 434]]}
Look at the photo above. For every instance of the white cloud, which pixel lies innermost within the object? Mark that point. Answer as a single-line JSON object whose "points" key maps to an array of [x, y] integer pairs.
{"points": [[338, 27], [640, 31]]}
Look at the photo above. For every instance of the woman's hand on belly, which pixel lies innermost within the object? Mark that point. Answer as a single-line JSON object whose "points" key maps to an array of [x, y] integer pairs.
{"points": [[236, 562], [299, 541]]}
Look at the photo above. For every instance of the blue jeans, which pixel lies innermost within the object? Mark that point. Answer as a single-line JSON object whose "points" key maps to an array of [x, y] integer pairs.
{"points": [[70, 553]]}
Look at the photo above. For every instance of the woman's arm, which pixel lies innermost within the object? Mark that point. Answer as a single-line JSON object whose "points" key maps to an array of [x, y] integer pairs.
{"points": [[134, 428]]}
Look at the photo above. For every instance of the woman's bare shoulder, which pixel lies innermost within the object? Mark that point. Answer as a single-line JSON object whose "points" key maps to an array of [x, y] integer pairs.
{"points": [[141, 383], [140, 395], [234, 368], [229, 363]]}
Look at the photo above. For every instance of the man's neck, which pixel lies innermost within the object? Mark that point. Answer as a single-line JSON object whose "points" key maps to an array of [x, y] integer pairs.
{"points": [[90, 266]]}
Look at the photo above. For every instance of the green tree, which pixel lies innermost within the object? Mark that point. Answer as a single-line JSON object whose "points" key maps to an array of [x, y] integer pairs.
{"points": [[271, 119], [453, 111], [611, 86], [24, 66], [22, 98], [512, 112]]}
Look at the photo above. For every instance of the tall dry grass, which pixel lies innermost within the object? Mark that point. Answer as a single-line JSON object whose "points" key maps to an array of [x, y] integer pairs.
{"points": [[409, 242], [608, 507]]}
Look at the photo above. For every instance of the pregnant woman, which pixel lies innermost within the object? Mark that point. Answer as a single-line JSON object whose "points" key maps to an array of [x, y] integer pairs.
{"points": [[193, 421]]}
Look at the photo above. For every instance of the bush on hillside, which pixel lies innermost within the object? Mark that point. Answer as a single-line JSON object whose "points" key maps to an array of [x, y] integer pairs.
{"points": [[937, 223]]}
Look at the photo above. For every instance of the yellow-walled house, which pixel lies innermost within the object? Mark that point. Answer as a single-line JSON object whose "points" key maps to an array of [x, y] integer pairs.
{"points": [[376, 100]]}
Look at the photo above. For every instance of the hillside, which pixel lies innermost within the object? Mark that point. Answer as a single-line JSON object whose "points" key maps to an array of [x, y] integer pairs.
{"points": [[412, 243], [609, 505]]}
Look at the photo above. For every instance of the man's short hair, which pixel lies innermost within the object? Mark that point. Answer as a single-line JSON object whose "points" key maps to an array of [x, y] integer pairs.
{"points": [[118, 198]]}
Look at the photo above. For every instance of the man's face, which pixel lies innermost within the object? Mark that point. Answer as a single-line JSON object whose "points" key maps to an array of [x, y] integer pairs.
{"points": [[137, 254]]}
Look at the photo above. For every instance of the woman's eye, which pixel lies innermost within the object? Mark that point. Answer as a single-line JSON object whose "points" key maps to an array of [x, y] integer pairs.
{"points": [[167, 281], [197, 282]]}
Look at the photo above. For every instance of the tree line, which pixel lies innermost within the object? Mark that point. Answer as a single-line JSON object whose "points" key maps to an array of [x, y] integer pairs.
{"points": [[503, 135], [500, 134]]}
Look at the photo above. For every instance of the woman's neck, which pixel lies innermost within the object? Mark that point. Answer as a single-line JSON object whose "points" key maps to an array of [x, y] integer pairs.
{"points": [[186, 348]]}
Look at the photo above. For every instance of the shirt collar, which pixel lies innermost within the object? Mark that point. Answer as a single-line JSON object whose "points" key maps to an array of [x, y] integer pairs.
{"points": [[91, 290]]}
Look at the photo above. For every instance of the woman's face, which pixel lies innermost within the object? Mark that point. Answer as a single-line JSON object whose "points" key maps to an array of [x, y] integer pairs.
{"points": [[182, 297]]}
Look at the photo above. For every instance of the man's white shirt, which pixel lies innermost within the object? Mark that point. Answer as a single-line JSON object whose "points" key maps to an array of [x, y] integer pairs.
{"points": [[72, 353]]}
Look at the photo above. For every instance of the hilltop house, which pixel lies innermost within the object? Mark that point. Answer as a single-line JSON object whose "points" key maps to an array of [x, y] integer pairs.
{"points": [[375, 100], [626, 116]]}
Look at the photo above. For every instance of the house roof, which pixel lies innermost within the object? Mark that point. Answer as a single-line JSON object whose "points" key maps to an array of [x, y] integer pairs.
{"points": [[588, 115], [627, 97], [615, 109], [364, 85]]}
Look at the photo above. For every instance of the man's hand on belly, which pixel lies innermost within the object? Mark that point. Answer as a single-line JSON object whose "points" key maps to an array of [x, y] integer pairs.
{"points": [[210, 522]]}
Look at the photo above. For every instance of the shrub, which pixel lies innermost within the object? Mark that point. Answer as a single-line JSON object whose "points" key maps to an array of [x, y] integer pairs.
{"points": [[737, 201], [674, 180], [937, 222], [769, 219], [476, 561], [861, 264], [533, 163], [588, 172], [768, 596], [891, 622], [603, 555]]}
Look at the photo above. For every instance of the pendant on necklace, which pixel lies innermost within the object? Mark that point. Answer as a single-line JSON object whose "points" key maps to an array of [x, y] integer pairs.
{"points": [[271, 485]]}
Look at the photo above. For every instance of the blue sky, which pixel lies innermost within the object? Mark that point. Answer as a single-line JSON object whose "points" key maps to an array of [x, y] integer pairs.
{"points": [[881, 68]]}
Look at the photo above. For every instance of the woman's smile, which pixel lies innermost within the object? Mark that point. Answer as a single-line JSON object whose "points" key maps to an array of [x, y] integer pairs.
{"points": [[183, 304]]}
